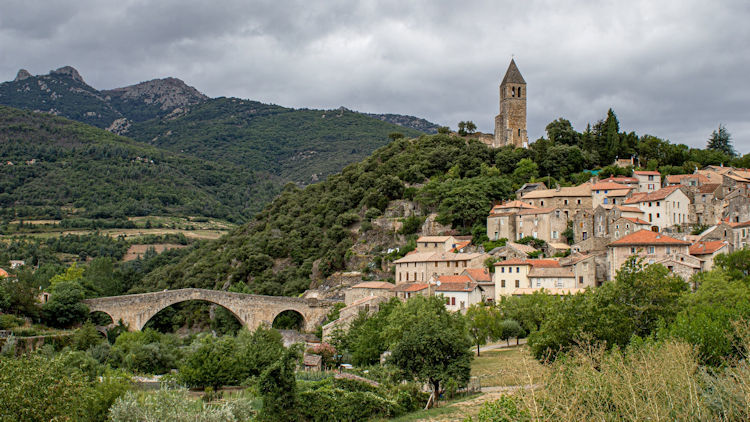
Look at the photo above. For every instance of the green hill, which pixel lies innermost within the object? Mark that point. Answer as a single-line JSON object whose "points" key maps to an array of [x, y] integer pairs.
{"points": [[52, 166], [302, 145]]}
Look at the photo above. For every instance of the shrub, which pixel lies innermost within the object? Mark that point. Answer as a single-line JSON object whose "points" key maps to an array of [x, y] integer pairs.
{"points": [[10, 321]]}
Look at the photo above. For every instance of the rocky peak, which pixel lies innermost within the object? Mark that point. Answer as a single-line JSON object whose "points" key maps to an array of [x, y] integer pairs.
{"points": [[68, 71], [168, 93], [21, 75]]}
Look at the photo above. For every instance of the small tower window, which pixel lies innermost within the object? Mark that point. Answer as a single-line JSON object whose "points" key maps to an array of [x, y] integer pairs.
{"points": [[513, 91], [519, 91]]}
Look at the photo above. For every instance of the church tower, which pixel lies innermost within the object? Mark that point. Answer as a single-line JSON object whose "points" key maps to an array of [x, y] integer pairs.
{"points": [[510, 124]]}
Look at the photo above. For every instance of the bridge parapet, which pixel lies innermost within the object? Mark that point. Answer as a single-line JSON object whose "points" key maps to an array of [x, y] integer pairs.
{"points": [[252, 310]]}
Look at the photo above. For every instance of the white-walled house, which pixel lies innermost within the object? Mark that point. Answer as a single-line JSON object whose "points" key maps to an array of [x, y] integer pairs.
{"points": [[663, 208], [458, 291], [648, 181]]}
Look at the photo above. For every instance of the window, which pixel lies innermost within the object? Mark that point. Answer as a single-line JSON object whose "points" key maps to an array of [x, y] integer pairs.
{"points": [[518, 269], [578, 202], [513, 92], [617, 234], [559, 283], [542, 203], [519, 91], [580, 279], [651, 178], [519, 130], [657, 215], [436, 264], [650, 218], [669, 250], [554, 234], [632, 250], [502, 269], [538, 282], [606, 200], [658, 204], [407, 276], [399, 276], [502, 284], [566, 202], [651, 249], [518, 284]]}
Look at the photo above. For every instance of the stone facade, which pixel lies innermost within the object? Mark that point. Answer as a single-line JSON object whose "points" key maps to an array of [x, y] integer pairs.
{"points": [[510, 124], [251, 310]]}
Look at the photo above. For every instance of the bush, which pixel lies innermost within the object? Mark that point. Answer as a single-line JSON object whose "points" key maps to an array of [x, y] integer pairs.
{"points": [[412, 224], [177, 405], [10, 321]]}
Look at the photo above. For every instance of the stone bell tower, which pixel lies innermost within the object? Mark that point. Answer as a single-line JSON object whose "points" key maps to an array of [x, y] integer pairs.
{"points": [[510, 124]]}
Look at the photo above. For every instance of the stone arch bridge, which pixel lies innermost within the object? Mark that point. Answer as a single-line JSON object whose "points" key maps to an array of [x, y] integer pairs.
{"points": [[252, 310]]}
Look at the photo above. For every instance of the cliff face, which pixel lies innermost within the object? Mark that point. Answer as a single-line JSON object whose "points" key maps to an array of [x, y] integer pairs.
{"points": [[167, 94]]}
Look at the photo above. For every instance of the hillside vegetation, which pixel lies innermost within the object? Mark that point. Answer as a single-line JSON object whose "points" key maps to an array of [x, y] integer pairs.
{"points": [[310, 232], [302, 145], [62, 167]]}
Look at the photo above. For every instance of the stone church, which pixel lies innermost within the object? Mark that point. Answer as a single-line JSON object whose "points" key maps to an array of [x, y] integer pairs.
{"points": [[510, 124]]}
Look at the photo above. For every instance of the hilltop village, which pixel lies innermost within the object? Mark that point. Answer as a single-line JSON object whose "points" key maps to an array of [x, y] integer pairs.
{"points": [[563, 240]]}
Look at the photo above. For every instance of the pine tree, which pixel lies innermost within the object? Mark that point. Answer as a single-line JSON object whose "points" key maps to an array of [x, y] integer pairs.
{"points": [[721, 141]]}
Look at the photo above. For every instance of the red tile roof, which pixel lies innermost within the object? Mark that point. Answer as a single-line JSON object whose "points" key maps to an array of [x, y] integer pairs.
{"points": [[707, 247], [647, 173], [620, 179], [456, 287], [373, 285], [653, 196], [461, 245], [678, 178], [629, 209], [4, 273], [479, 274], [709, 187], [647, 237], [609, 186], [636, 220], [410, 287], [454, 279]]}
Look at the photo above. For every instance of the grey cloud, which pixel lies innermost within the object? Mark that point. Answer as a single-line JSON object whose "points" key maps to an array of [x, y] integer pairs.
{"points": [[674, 69]]}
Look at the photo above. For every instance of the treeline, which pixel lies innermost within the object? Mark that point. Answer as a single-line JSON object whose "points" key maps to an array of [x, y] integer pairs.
{"points": [[309, 228]]}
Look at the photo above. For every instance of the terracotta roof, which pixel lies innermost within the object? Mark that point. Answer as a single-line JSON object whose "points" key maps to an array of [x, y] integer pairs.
{"points": [[312, 360], [620, 192], [551, 272], [609, 186], [456, 287], [410, 287], [560, 245], [513, 75], [636, 220], [629, 209], [512, 204], [741, 225], [647, 173], [536, 211], [674, 261], [479, 274], [706, 248], [461, 245], [373, 285], [541, 263], [454, 279], [433, 239], [580, 190], [678, 178], [620, 179], [4, 273], [647, 237], [653, 196], [709, 187], [520, 247], [437, 257], [737, 178]]}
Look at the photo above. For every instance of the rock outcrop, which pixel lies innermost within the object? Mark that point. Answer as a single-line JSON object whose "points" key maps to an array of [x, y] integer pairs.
{"points": [[22, 74], [167, 93], [68, 71]]}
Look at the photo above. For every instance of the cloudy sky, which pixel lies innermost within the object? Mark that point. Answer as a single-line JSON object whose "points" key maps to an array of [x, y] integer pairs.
{"points": [[674, 69]]}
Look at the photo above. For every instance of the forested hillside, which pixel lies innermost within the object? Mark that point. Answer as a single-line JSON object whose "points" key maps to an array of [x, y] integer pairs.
{"points": [[312, 230], [301, 145], [52, 167]]}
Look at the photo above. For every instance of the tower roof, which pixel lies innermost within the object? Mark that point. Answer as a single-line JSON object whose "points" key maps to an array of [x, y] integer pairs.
{"points": [[513, 75]]}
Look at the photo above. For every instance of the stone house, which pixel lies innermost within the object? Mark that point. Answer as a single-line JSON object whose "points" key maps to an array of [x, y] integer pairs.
{"points": [[501, 221], [707, 251], [528, 187], [436, 243], [568, 199], [647, 244], [664, 208], [606, 193], [740, 235], [648, 181], [405, 291], [512, 275], [483, 277], [420, 266], [458, 291], [623, 226], [689, 180], [555, 280], [583, 225], [542, 223], [589, 269], [707, 206], [367, 289]]}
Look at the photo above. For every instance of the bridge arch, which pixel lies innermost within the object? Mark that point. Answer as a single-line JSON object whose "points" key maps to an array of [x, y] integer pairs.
{"points": [[251, 310]]}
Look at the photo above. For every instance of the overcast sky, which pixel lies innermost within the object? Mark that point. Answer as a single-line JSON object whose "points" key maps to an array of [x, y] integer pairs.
{"points": [[674, 69]]}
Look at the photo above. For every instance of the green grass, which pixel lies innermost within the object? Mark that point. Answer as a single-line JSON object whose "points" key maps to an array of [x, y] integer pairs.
{"points": [[506, 367], [446, 409]]}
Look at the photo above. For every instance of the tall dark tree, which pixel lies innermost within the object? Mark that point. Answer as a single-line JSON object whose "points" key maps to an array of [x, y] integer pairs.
{"points": [[720, 140]]}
